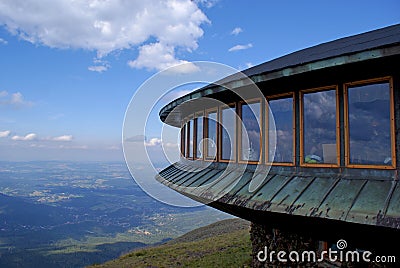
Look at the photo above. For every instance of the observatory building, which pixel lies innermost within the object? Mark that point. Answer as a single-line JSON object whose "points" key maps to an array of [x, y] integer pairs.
{"points": [[311, 157]]}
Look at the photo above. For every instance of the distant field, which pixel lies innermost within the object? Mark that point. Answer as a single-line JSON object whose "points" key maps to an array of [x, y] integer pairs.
{"points": [[67, 214], [222, 244]]}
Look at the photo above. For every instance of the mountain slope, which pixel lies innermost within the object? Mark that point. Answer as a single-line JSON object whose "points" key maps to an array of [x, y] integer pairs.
{"points": [[221, 244]]}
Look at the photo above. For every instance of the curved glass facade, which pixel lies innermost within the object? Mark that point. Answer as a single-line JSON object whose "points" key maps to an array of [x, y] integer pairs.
{"points": [[364, 125]]}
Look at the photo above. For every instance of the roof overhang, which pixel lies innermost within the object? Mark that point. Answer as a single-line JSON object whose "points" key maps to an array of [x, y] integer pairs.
{"points": [[354, 49]]}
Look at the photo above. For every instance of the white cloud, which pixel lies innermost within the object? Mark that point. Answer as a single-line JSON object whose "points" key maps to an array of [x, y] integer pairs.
{"points": [[109, 26], [28, 137], [4, 134], [62, 138], [153, 142], [207, 3], [249, 64], [113, 148], [157, 56], [236, 31], [15, 100], [98, 68], [240, 47], [3, 42], [34, 137], [77, 147]]}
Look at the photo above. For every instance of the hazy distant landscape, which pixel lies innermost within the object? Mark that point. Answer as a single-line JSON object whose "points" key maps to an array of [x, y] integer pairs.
{"points": [[67, 214]]}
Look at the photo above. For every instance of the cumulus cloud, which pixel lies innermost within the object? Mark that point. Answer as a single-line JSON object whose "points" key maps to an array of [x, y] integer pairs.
{"points": [[62, 138], [28, 137], [142, 139], [108, 26], [35, 137], [4, 134], [153, 142], [3, 42], [236, 31], [240, 47], [158, 56], [15, 100]]}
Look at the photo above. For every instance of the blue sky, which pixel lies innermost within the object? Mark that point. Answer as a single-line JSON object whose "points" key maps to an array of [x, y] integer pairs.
{"points": [[68, 69]]}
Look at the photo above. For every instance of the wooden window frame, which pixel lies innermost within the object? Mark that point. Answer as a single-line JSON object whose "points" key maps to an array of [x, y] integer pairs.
{"points": [[195, 142], [219, 134], [205, 134], [346, 86], [301, 101], [239, 128], [190, 118], [183, 140], [277, 97]]}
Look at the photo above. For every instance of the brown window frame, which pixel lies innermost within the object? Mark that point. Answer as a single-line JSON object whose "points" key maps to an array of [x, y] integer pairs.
{"points": [[183, 140], [312, 90], [205, 134], [346, 86], [190, 118], [239, 130], [277, 97], [219, 134], [195, 142]]}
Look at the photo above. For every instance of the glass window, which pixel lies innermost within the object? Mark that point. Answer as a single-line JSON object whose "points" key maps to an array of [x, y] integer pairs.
{"points": [[190, 129], [228, 127], [183, 140], [280, 130], [211, 135], [199, 137], [319, 127], [250, 131], [369, 124]]}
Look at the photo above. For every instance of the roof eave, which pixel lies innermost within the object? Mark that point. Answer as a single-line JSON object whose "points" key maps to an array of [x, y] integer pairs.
{"points": [[288, 71]]}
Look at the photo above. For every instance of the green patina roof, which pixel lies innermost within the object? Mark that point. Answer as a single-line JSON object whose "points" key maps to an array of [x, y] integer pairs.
{"points": [[363, 197]]}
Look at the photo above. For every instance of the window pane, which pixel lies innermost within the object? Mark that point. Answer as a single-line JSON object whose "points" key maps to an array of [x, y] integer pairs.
{"points": [[369, 124], [190, 139], [250, 142], [211, 142], [199, 137], [319, 119], [183, 139], [228, 133], [282, 111]]}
